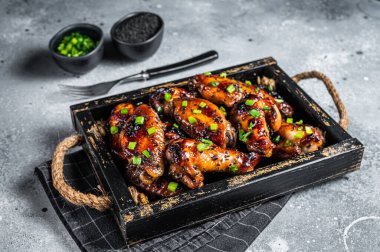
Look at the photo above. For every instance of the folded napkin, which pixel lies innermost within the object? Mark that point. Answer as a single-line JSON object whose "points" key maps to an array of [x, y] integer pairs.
{"points": [[97, 231]]}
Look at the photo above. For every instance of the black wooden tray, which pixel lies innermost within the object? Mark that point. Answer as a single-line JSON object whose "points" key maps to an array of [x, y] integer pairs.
{"points": [[342, 154]]}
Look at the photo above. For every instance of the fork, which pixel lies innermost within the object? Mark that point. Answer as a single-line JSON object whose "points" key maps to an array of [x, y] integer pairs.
{"points": [[104, 87]]}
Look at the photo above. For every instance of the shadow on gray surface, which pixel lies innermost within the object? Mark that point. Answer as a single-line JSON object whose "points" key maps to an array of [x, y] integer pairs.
{"points": [[37, 64]]}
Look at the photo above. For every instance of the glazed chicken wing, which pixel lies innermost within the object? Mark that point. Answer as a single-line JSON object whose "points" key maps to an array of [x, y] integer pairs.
{"points": [[189, 159], [249, 117], [226, 91], [294, 140], [139, 142], [197, 117], [161, 100]]}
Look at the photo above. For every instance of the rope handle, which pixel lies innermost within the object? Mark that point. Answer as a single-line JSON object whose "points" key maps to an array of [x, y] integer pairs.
{"points": [[343, 121], [104, 202]]}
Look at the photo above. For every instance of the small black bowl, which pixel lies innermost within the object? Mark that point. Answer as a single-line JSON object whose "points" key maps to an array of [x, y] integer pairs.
{"points": [[81, 64], [141, 50]]}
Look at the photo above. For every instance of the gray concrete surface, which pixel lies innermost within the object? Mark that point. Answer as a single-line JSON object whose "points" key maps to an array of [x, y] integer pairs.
{"points": [[340, 38]]}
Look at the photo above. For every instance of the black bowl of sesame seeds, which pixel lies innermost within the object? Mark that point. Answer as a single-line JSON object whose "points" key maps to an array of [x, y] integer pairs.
{"points": [[138, 35]]}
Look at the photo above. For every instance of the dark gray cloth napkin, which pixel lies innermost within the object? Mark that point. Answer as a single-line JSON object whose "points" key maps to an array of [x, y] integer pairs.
{"points": [[98, 231]]}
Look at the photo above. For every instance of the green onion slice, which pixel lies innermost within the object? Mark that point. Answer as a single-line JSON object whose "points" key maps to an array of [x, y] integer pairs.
{"points": [[299, 134], [213, 126], [243, 136], [146, 153], [255, 113], [114, 129], [266, 108], [234, 168], [192, 120], [278, 100], [136, 160], [277, 139], [289, 120], [202, 104], [132, 145], [206, 141], [248, 83], [223, 75], [139, 120], [214, 83], [151, 130], [124, 111], [249, 102], [175, 125], [308, 130], [167, 96], [201, 147], [197, 111], [207, 73], [230, 89], [172, 186], [184, 103]]}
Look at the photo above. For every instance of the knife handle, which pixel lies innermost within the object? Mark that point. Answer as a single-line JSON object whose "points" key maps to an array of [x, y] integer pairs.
{"points": [[182, 65]]}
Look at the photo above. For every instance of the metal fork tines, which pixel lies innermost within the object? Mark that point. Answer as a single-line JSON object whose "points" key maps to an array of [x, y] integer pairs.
{"points": [[100, 88]]}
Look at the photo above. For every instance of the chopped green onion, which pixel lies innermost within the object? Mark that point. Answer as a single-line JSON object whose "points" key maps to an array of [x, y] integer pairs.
{"points": [[124, 111], [151, 130], [234, 168], [278, 100], [202, 104], [192, 120], [249, 102], [270, 88], [300, 128], [223, 75], [308, 130], [114, 129], [299, 134], [172, 186], [230, 89], [175, 125], [197, 111], [214, 83], [248, 83], [136, 160], [288, 143], [184, 103], [132, 145], [289, 120], [251, 125], [255, 113], [243, 136], [223, 109], [139, 120], [146, 153], [201, 147], [299, 122], [159, 109], [241, 90], [167, 97], [277, 139], [213, 126], [207, 73], [257, 89], [76, 44], [206, 141], [266, 108]]}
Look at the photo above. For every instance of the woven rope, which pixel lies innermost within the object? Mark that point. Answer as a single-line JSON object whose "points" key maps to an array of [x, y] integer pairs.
{"points": [[103, 202], [100, 203], [332, 91]]}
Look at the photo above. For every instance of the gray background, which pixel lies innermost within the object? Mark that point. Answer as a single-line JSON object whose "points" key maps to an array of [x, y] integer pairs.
{"points": [[339, 38]]}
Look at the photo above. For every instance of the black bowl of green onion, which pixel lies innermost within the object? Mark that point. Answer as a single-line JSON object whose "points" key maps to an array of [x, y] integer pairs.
{"points": [[78, 48]]}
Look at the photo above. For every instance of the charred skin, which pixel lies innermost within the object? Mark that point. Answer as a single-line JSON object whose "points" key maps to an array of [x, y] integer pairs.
{"points": [[161, 105], [224, 135], [146, 175], [253, 126], [188, 163], [295, 140]]}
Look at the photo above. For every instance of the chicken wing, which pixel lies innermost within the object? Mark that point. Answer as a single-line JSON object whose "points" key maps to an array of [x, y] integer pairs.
{"points": [[161, 100], [249, 118], [294, 140], [197, 117], [190, 158], [139, 142]]}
